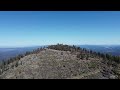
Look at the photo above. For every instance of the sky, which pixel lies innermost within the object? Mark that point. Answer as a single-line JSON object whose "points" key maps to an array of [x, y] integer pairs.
{"points": [[33, 28]]}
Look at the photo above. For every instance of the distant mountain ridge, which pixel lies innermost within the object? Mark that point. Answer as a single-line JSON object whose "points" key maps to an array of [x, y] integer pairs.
{"points": [[110, 49], [6, 53]]}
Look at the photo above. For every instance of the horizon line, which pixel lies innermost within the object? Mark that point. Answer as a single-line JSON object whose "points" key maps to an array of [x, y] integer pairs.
{"points": [[55, 44]]}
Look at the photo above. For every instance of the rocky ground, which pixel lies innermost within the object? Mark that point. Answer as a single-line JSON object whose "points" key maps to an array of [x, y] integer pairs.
{"points": [[55, 64]]}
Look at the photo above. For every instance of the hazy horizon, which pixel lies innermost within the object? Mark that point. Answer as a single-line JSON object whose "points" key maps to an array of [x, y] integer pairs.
{"points": [[34, 28], [59, 43]]}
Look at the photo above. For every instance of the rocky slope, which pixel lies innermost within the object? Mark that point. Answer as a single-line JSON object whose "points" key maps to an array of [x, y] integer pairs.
{"points": [[54, 64]]}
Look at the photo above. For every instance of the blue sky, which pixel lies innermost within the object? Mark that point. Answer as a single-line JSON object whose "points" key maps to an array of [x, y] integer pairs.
{"points": [[27, 28]]}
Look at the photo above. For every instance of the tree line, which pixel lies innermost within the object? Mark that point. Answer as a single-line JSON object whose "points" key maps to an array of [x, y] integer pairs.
{"points": [[5, 64], [84, 53]]}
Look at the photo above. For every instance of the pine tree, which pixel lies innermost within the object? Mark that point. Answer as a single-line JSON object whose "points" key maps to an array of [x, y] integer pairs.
{"points": [[87, 57], [91, 51], [82, 57], [16, 65]]}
